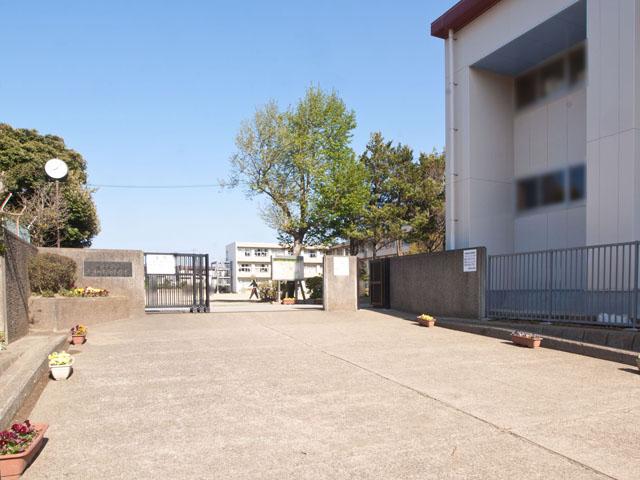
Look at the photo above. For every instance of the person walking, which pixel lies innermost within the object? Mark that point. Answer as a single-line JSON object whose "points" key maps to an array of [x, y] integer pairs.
{"points": [[254, 290]]}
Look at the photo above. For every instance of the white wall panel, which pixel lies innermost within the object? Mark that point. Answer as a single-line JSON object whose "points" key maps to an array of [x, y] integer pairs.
{"points": [[557, 128]]}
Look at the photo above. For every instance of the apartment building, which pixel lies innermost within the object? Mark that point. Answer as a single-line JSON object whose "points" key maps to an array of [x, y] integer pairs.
{"points": [[251, 260], [543, 123]]}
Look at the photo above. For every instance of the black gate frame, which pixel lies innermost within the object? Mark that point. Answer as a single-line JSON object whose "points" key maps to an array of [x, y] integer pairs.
{"points": [[190, 267], [379, 280]]}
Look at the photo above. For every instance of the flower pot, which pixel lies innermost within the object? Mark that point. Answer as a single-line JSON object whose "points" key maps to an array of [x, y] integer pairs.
{"points": [[61, 372], [427, 323], [288, 301], [529, 342], [12, 466], [78, 339]]}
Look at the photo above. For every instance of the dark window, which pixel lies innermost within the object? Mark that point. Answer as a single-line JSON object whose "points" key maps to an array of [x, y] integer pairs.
{"points": [[552, 77], [577, 183], [552, 188], [526, 90], [577, 65], [527, 193]]}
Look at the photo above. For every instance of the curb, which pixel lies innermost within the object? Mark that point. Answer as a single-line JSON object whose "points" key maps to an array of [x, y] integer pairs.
{"points": [[570, 346], [21, 378]]}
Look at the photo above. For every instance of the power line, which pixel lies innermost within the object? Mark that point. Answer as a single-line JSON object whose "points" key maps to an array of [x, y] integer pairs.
{"points": [[95, 185]]}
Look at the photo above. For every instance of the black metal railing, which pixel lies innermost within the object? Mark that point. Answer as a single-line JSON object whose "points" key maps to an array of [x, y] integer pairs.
{"points": [[594, 284], [184, 285]]}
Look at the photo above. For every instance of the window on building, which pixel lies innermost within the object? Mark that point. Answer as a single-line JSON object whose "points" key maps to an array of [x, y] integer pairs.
{"points": [[260, 252], [526, 90], [562, 72], [552, 77], [264, 268], [552, 188], [577, 183], [577, 66], [527, 193], [313, 254], [245, 268], [247, 253]]}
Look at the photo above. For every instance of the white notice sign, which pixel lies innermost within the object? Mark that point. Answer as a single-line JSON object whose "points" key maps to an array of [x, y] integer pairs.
{"points": [[469, 261], [161, 264], [340, 266]]}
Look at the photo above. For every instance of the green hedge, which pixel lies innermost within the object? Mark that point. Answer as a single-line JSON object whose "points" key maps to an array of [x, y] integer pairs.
{"points": [[50, 273]]}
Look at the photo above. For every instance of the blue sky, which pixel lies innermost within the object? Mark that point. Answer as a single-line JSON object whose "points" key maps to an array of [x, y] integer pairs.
{"points": [[153, 92]]}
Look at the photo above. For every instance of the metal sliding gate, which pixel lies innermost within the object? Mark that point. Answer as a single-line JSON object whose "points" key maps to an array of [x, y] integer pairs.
{"points": [[176, 281], [379, 290], [594, 285]]}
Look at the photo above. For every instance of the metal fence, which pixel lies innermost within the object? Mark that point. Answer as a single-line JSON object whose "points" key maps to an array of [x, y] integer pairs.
{"points": [[184, 285], [595, 285]]}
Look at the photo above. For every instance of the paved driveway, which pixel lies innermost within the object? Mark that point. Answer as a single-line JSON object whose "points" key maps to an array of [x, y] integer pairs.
{"points": [[310, 395]]}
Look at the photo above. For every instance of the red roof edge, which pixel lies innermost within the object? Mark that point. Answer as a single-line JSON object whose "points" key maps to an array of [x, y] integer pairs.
{"points": [[461, 14]]}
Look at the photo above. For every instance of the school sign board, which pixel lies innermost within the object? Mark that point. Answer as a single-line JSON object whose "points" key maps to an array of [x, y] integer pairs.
{"points": [[287, 268]]}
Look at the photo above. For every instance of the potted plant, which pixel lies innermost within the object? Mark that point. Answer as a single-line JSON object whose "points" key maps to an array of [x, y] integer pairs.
{"points": [[18, 446], [60, 364], [526, 339], [426, 320], [288, 301], [78, 334]]}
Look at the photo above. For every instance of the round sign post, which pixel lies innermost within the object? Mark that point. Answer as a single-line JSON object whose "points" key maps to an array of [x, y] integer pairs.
{"points": [[57, 169]]}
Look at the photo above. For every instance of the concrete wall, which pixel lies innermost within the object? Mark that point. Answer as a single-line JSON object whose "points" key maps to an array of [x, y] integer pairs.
{"points": [[340, 292], [60, 314], [131, 287], [435, 283], [16, 285], [613, 121]]}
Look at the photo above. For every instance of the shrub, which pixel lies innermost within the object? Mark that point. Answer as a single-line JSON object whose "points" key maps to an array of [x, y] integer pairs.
{"points": [[267, 291], [314, 287], [51, 272]]}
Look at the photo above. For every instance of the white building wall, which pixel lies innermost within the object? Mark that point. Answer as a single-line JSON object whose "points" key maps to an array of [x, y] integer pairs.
{"points": [[613, 121], [550, 136], [483, 127]]}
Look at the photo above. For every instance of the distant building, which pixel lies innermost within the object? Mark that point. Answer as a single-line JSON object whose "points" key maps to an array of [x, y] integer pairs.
{"points": [[543, 142], [251, 260], [220, 276]]}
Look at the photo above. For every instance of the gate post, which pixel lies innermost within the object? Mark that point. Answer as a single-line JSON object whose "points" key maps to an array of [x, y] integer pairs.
{"points": [[193, 279], [550, 286], [206, 271], [635, 281]]}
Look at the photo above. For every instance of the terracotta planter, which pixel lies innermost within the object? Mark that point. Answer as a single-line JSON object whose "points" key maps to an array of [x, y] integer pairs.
{"points": [[78, 339], [61, 372], [427, 323], [12, 466], [528, 342], [288, 301]]}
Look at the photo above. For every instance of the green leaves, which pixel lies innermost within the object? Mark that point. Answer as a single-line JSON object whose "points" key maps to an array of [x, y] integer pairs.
{"points": [[290, 157], [23, 154]]}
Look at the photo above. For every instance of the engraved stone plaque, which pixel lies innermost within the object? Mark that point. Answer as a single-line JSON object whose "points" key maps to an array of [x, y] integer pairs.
{"points": [[107, 269]]}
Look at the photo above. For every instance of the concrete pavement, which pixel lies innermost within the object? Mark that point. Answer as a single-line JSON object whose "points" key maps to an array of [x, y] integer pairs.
{"points": [[312, 395]]}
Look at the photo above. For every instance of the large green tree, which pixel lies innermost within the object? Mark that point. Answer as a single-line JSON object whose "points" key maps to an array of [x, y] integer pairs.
{"points": [[23, 154], [405, 197], [290, 157]]}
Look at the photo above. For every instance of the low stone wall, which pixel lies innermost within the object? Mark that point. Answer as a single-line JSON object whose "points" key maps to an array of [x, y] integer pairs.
{"points": [[16, 285], [59, 314], [119, 271], [436, 283]]}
